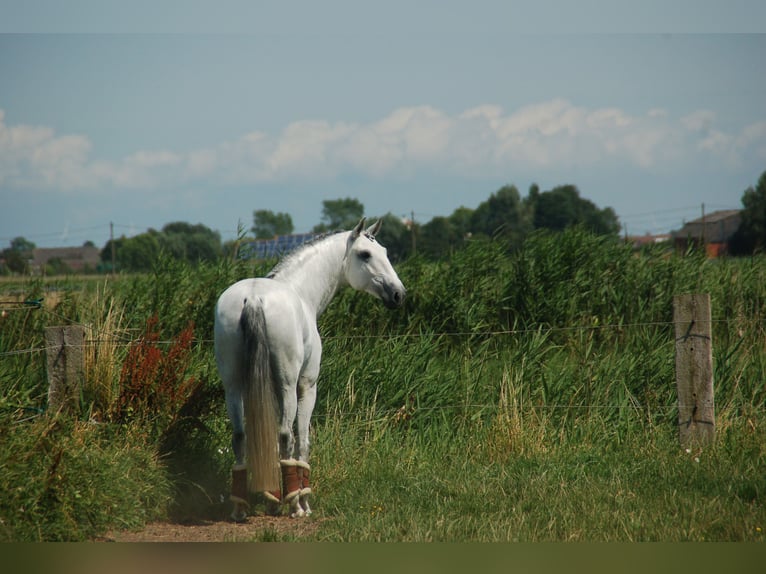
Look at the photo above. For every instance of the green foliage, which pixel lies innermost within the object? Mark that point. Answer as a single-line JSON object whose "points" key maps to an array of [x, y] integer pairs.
{"points": [[751, 235], [17, 255], [522, 394], [396, 237], [438, 238], [529, 480], [505, 215], [579, 279], [267, 224], [339, 214], [192, 243], [502, 214], [563, 207], [56, 266], [22, 245], [181, 241], [65, 480]]}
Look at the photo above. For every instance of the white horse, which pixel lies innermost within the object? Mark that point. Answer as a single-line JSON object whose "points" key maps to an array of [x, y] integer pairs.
{"points": [[268, 350]]}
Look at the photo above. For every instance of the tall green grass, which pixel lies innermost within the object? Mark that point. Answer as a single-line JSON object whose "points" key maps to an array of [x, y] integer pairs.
{"points": [[518, 395], [528, 479]]}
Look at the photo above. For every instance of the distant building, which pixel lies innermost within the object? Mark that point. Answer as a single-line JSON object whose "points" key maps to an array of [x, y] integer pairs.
{"points": [[77, 259], [639, 241], [714, 231]]}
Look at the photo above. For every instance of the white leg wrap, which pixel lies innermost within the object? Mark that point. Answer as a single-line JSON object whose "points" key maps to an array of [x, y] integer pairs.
{"points": [[304, 472]]}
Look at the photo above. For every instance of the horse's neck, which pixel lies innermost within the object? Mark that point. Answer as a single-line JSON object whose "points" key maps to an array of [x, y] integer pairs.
{"points": [[316, 274]]}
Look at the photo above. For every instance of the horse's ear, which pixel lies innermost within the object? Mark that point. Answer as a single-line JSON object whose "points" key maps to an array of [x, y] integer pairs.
{"points": [[373, 229], [358, 229]]}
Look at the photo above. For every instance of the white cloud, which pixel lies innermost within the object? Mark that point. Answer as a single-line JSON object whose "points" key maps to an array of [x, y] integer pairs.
{"points": [[482, 140], [35, 151], [153, 159], [701, 120], [201, 163], [305, 148]]}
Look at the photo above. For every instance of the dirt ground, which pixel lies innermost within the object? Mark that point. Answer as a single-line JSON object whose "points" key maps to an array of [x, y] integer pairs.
{"points": [[256, 528]]}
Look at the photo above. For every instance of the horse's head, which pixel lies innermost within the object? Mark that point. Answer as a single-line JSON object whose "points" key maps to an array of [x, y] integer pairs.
{"points": [[367, 267]]}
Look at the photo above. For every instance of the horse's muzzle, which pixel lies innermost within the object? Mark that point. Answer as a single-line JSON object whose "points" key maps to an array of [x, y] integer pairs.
{"points": [[394, 296]]}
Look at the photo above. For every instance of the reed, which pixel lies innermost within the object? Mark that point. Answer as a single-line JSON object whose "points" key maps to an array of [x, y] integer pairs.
{"points": [[517, 395]]}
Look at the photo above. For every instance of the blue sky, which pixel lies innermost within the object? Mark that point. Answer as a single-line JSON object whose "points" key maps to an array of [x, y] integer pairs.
{"points": [[177, 111]]}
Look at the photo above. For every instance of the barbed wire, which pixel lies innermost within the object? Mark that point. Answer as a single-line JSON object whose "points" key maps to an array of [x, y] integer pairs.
{"points": [[122, 342]]}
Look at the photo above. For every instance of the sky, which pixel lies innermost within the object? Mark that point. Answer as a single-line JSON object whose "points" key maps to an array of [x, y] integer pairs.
{"points": [[144, 113]]}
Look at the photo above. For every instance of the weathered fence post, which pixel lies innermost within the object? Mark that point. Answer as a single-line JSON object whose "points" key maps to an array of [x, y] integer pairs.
{"points": [[64, 350], [694, 369]]}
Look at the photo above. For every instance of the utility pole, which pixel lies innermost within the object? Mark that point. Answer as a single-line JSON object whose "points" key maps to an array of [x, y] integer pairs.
{"points": [[111, 241], [412, 232], [703, 227]]}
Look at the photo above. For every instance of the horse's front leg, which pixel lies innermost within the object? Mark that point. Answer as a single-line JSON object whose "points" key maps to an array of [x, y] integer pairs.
{"points": [[306, 400]]}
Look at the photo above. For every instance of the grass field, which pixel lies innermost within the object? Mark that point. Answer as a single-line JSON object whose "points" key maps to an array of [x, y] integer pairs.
{"points": [[522, 396]]}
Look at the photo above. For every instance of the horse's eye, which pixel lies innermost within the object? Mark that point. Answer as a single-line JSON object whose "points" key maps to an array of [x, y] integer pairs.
{"points": [[365, 255]]}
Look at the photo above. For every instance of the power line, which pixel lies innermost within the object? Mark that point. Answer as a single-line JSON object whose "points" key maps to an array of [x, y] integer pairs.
{"points": [[63, 233]]}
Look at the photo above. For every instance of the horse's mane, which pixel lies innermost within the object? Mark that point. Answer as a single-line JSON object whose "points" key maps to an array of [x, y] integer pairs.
{"points": [[295, 253]]}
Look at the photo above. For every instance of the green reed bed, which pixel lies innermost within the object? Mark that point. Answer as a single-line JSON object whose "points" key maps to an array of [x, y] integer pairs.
{"points": [[518, 395]]}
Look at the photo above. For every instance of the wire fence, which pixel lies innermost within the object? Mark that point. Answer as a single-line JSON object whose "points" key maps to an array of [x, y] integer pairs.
{"points": [[132, 337], [127, 342]]}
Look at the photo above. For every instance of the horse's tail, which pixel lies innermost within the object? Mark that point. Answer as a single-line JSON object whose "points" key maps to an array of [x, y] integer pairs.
{"points": [[260, 402]]}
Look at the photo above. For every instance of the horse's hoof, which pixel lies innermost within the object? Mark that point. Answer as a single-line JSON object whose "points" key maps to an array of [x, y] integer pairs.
{"points": [[300, 513], [273, 508], [239, 517]]}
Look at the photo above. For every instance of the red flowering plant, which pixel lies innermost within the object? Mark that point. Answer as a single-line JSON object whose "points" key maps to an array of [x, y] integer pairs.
{"points": [[153, 381]]}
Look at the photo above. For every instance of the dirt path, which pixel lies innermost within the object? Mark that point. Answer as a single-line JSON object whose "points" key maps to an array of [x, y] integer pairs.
{"points": [[256, 528]]}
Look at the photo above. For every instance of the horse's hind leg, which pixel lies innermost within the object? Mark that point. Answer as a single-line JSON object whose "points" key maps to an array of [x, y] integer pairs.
{"points": [[239, 489], [289, 466]]}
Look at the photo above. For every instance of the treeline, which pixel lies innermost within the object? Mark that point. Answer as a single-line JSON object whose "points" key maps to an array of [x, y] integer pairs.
{"points": [[179, 240], [505, 214]]}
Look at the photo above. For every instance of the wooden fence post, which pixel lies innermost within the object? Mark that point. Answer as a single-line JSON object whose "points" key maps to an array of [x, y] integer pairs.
{"points": [[694, 369], [64, 350]]}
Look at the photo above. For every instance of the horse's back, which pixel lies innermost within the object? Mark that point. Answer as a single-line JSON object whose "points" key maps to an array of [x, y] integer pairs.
{"points": [[279, 302]]}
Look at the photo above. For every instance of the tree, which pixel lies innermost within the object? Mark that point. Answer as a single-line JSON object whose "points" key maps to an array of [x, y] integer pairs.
{"points": [[22, 245], [438, 238], [395, 237], [460, 220], [138, 253], [267, 224], [193, 243], [339, 214], [56, 266], [751, 235], [17, 256], [181, 240], [563, 207], [502, 214]]}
